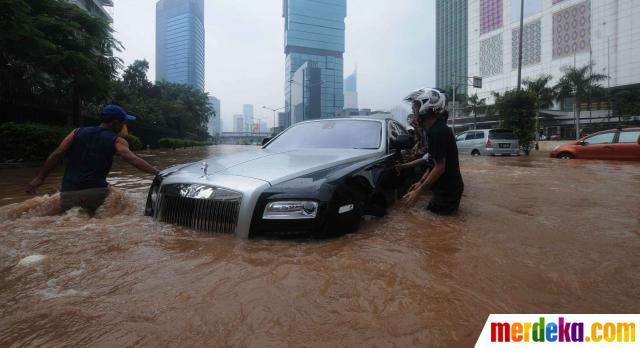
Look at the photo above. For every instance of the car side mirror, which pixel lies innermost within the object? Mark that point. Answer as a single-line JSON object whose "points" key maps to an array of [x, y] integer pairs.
{"points": [[265, 140], [402, 142], [582, 142]]}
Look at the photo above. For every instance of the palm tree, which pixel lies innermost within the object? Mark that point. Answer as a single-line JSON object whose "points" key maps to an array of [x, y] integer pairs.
{"points": [[474, 104], [578, 83], [544, 96]]}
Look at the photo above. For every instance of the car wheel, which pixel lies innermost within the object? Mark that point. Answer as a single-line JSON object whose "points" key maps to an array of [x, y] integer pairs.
{"points": [[475, 153], [566, 155]]}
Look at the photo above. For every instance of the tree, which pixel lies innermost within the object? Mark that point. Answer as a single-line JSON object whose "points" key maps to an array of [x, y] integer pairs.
{"points": [[578, 82], [135, 77], [544, 96], [59, 46], [517, 112], [475, 104]]}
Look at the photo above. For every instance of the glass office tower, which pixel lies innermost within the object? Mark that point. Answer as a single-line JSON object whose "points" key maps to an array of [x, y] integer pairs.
{"points": [[180, 42], [314, 33], [451, 42]]}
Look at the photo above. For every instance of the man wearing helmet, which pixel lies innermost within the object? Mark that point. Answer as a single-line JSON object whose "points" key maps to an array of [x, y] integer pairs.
{"points": [[444, 179]]}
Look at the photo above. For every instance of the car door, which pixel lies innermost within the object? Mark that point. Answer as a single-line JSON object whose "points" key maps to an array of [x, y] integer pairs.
{"points": [[628, 145], [597, 146], [460, 142]]}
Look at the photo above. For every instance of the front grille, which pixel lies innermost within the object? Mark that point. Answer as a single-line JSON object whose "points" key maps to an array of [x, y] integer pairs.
{"points": [[216, 211]]}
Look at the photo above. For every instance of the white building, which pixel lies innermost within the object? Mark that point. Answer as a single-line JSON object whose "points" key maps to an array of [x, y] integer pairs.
{"points": [[247, 113], [557, 33]]}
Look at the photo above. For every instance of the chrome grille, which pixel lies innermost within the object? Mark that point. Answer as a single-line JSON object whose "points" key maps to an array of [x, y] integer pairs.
{"points": [[214, 209]]}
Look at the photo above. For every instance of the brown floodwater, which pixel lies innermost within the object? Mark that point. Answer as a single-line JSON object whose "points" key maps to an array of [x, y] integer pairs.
{"points": [[533, 235]]}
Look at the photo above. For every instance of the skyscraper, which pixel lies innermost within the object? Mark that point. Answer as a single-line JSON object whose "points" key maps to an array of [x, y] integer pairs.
{"points": [[314, 33], [351, 91], [215, 122], [238, 123], [180, 41], [247, 113], [451, 42]]}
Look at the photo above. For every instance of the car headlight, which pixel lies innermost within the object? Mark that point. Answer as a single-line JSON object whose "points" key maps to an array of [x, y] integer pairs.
{"points": [[287, 210], [153, 196]]}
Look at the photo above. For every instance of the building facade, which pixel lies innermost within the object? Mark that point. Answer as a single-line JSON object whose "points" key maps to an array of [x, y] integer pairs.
{"points": [[96, 7], [247, 114], [306, 93], [238, 123], [215, 122], [351, 91], [557, 34], [451, 43], [314, 33], [180, 42], [283, 120]]}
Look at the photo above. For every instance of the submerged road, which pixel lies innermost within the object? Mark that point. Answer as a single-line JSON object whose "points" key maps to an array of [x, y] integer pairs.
{"points": [[534, 235]]}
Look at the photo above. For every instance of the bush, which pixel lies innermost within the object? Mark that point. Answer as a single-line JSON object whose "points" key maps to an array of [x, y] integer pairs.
{"points": [[174, 143], [30, 141], [134, 142], [517, 112]]}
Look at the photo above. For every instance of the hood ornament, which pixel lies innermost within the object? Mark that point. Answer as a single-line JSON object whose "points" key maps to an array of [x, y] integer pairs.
{"points": [[204, 168]]}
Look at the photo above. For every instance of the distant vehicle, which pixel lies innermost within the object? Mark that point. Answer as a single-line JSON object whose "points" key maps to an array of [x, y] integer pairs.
{"points": [[481, 142], [315, 178], [612, 144]]}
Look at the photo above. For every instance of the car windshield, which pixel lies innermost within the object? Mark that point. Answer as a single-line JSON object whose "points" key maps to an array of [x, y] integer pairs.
{"points": [[502, 135], [342, 134]]}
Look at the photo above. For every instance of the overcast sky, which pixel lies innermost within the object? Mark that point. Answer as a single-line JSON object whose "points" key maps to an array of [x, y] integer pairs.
{"points": [[391, 41]]}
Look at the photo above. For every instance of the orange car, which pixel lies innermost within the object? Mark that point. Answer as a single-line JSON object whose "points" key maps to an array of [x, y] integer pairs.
{"points": [[612, 144]]}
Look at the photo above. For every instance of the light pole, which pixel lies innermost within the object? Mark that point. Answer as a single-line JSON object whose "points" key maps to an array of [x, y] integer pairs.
{"points": [[274, 115]]}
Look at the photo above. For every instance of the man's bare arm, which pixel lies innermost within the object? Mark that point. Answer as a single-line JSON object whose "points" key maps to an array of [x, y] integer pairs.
{"points": [[122, 147], [51, 163]]}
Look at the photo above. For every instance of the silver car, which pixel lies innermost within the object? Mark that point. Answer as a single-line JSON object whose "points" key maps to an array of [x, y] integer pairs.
{"points": [[492, 142], [315, 178]]}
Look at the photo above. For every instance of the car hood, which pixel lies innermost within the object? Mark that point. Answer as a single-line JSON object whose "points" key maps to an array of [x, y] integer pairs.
{"points": [[277, 166]]}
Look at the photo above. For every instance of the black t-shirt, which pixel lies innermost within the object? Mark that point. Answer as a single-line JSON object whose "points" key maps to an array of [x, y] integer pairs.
{"points": [[442, 145]]}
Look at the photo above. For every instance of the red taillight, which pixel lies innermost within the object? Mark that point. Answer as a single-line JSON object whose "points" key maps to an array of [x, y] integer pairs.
{"points": [[488, 142]]}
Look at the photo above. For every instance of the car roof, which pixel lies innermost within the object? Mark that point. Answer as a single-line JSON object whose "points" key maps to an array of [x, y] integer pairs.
{"points": [[341, 119]]}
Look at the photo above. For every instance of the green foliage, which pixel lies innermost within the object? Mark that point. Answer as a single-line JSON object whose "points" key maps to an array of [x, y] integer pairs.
{"points": [[29, 142], [517, 112], [168, 105], [134, 142], [173, 143], [54, 48]]}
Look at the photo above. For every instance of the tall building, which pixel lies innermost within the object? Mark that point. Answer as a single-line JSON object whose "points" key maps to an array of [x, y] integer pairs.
{"points": [[215, 123], [351, 91], [557, 34], [95, 7], [238, 124], [180, 42], [283, 120], [314, 33], [305, 96], [451, 43], [247, 113]]}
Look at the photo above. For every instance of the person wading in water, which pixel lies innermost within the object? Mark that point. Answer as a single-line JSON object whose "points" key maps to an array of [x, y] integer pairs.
{"points": [[90, 151], [444, 179]]}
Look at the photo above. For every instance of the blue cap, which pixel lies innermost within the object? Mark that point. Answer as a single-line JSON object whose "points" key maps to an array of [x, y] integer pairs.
{"points": [[115, 112]]}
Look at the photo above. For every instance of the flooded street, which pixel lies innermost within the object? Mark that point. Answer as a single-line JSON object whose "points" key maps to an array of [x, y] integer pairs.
{"points": [[533, 235]]}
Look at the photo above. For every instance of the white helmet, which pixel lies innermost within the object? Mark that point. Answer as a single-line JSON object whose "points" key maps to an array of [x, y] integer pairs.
{"points": [[429, 99]]}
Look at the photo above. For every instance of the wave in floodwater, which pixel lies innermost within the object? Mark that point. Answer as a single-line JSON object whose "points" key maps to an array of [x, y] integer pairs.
{"points": [[533, 236]]}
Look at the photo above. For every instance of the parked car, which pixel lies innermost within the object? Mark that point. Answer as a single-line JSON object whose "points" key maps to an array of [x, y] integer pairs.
{"points": [[612, 144], [315, 178], [482, 142]]}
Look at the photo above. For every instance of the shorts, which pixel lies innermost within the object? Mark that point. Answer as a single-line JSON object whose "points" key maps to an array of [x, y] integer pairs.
{"points": [[89, 199], [445, 202]]}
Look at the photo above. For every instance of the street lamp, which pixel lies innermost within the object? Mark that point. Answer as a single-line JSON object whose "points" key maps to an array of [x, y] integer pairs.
{"points": [[274, 115]]}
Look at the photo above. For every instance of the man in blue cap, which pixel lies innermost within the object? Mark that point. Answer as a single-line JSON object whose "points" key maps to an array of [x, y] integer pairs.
{"points": [[90, 151]]}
